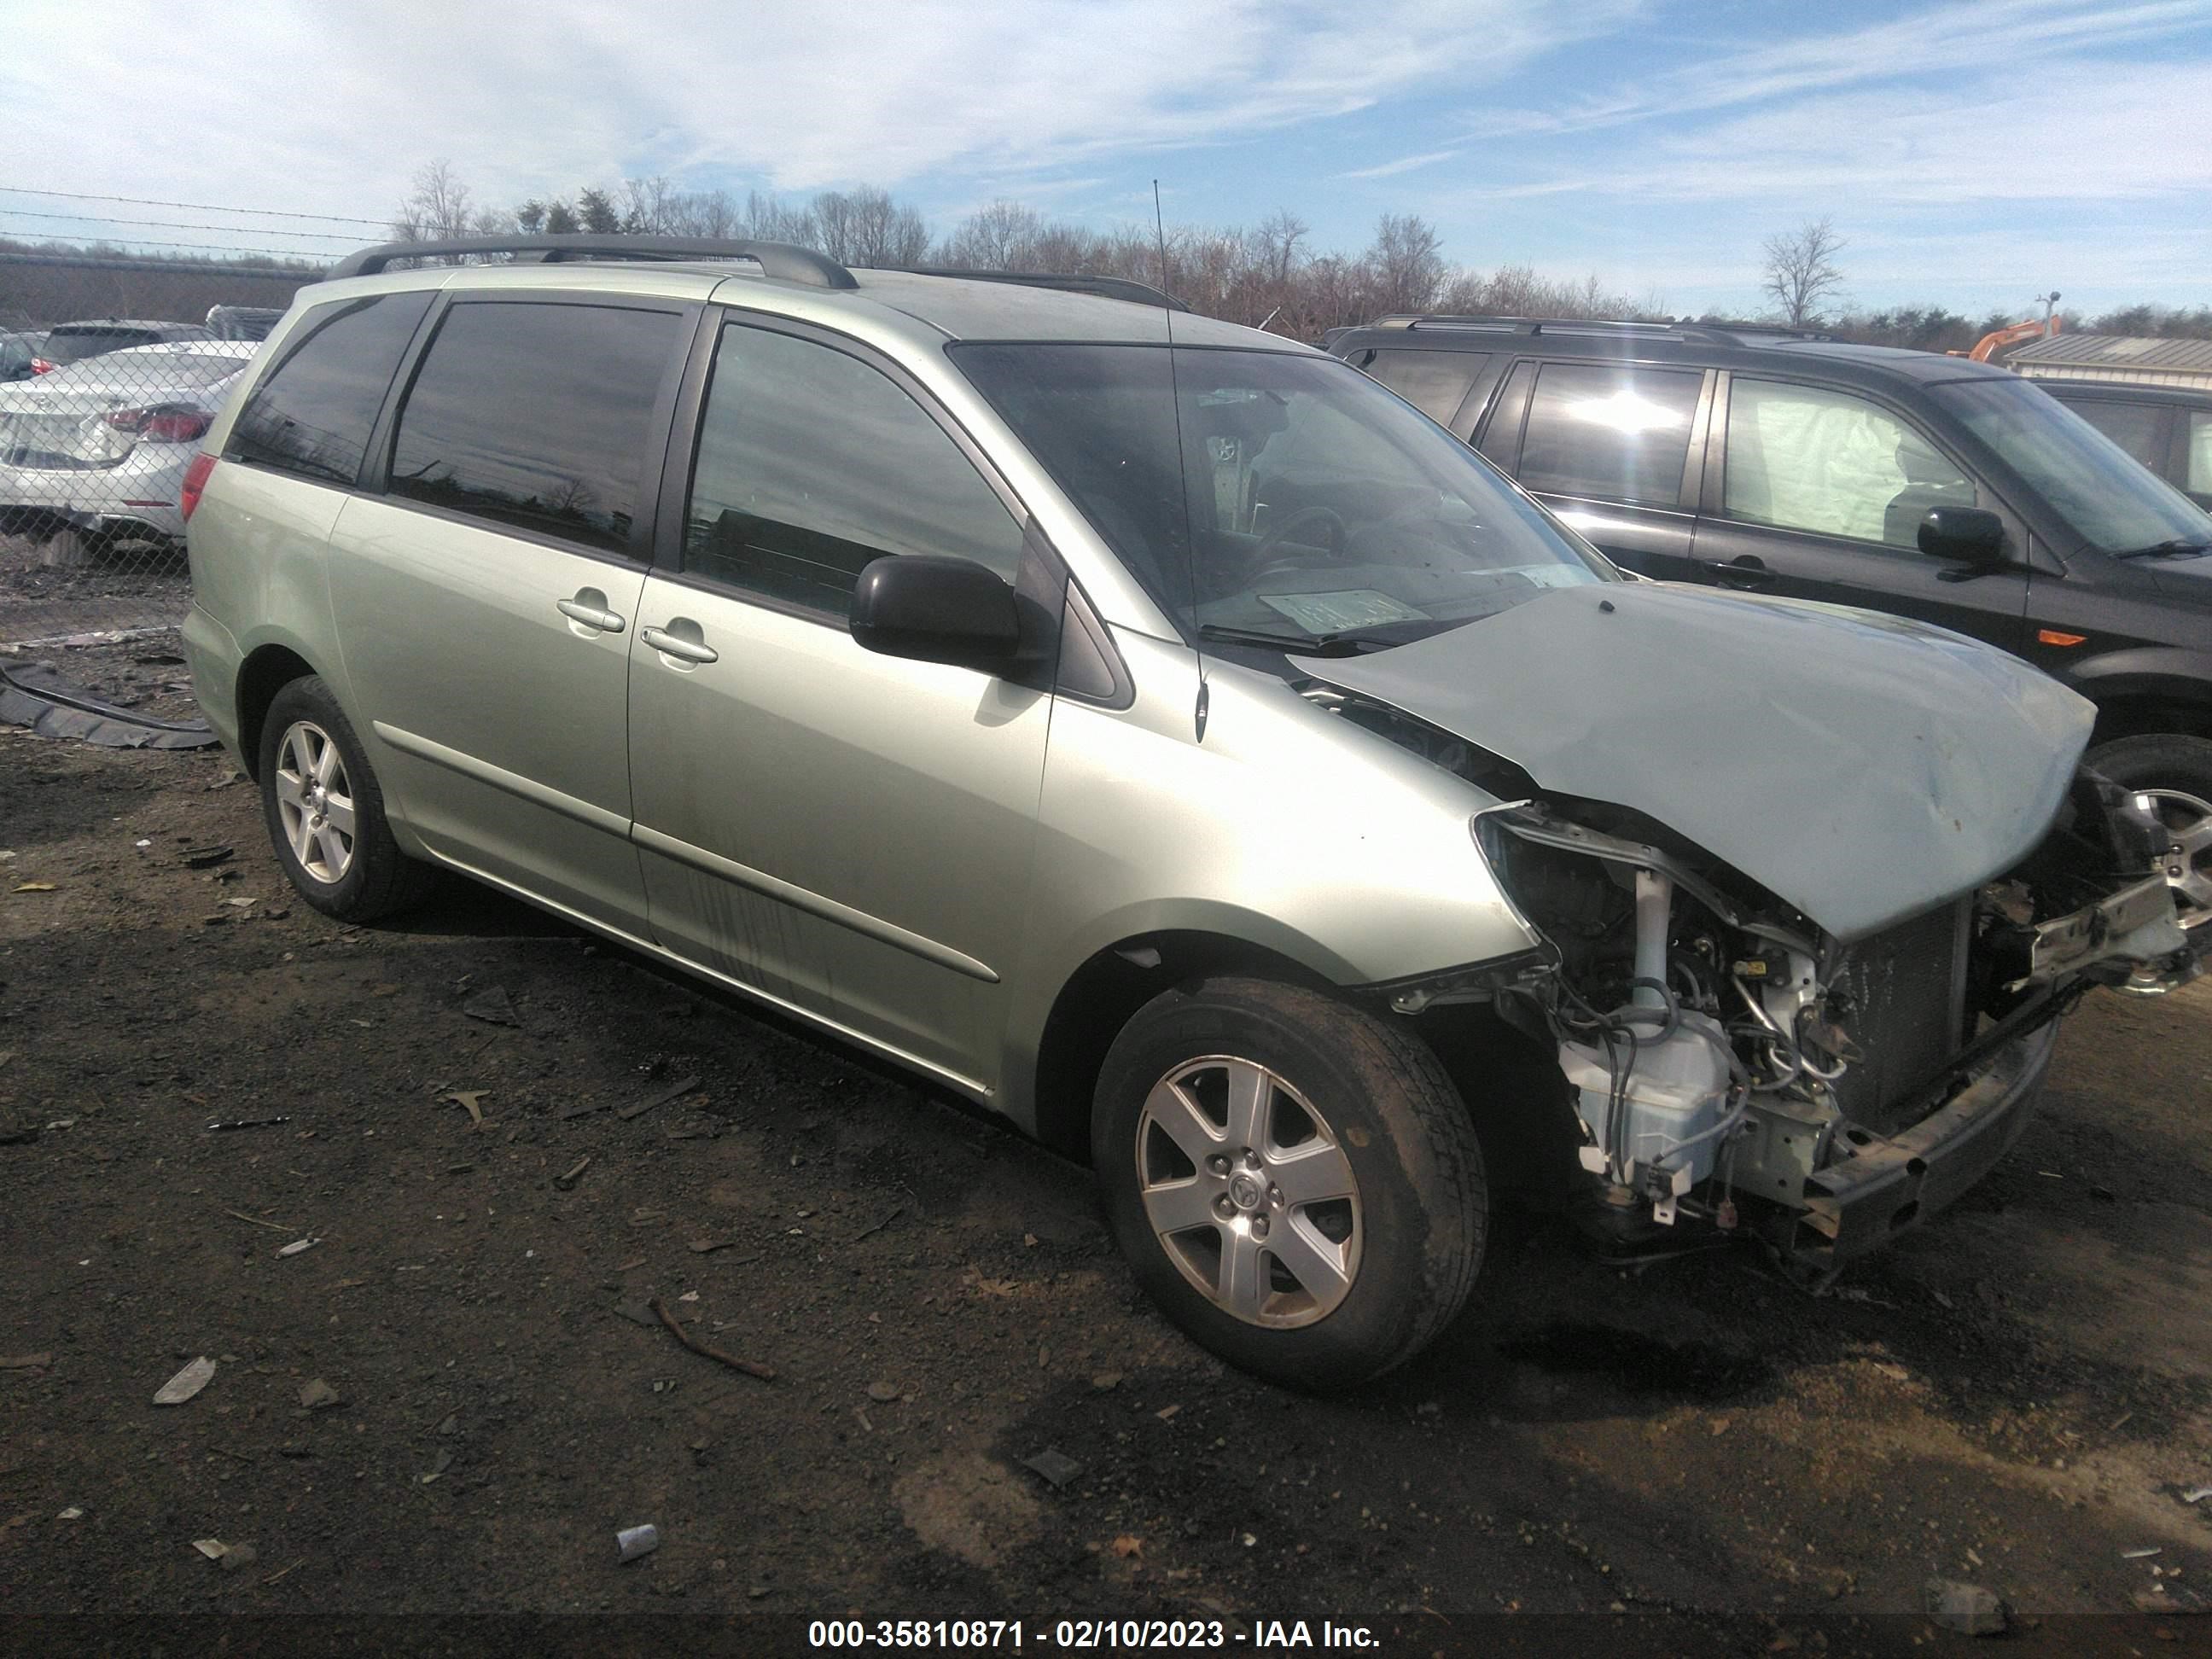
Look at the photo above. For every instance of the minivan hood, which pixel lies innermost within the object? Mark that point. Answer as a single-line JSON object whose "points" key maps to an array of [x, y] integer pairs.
{"points": [[1861, 767]]}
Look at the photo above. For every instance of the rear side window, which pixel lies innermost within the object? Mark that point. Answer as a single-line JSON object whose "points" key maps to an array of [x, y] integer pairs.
{"points": [[538, 417], [1802, 458], [312, 415], [1617, 434], [1435, 382], [2136, 427], [2200, 455], [71, 345], [812, 464]]}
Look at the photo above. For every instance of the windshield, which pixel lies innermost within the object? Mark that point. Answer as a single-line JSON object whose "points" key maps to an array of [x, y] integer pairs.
{"points": [[1318, 505], [2111, 500]]}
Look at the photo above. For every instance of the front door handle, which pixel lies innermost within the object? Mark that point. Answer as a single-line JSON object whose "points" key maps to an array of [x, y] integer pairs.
{"points": [[592, 615], [671, 645], [1748, 571]]}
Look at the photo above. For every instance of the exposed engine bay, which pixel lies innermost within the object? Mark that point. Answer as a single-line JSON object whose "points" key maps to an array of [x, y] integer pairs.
{"points": [[1730, 1064]]}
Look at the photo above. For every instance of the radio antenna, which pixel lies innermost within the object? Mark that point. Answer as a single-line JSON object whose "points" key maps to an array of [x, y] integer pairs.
{"points": [[1183, 472]]}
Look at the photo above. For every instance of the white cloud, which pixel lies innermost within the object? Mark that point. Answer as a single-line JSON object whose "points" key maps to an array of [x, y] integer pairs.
{"points": [[1403, 164], [300, 101]]}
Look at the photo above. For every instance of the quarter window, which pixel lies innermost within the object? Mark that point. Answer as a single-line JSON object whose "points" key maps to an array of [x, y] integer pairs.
{"points": [[1801, 458], [2200, 455], [538, 417], [1619, 436], [311, 414], [1435, 382], [812, 464]]}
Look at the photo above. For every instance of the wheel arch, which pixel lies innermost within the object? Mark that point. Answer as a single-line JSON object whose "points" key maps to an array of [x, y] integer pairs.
{"points": [[267, 670]]}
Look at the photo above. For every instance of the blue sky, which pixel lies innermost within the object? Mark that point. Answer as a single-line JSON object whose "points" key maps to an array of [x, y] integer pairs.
{"points": [[1971, 155]]}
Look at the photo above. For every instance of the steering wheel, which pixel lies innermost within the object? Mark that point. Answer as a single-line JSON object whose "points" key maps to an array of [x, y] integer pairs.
{"points": [[1263, 561]]}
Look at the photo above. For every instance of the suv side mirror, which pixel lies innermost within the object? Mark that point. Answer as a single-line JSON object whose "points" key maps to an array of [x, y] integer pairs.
{"points": [[1969, 535], [934, 609]]}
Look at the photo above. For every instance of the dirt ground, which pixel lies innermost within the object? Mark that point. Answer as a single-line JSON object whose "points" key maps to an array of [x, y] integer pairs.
{"points": [[2017, 1396]]}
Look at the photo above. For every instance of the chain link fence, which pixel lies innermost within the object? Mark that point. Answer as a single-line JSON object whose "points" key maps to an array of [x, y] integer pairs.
{"points": [[111, 373]]}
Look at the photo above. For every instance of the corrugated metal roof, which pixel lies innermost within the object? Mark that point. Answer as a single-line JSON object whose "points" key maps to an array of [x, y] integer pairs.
{"points": [[2115, 352]]}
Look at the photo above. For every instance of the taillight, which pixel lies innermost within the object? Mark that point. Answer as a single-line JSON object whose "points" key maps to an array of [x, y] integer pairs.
{"points": [[163, 423], [196, 477], [40, 366]]}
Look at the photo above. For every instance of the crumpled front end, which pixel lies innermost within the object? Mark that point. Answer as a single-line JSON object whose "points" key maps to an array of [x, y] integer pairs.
{"points": [[1732, 1066]]}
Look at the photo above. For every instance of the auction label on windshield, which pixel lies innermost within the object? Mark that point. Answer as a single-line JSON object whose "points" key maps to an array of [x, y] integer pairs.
{"points": [[1258, 1636]]}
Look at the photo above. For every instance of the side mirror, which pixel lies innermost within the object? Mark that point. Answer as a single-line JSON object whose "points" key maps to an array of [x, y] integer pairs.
{"points": [[1966, 535], [933, 609]]}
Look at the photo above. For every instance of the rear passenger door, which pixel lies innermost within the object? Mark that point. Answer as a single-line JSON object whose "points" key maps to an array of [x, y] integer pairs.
{"points": [[848, 834], [1818, 493], [486, 598], [1614, 449]]}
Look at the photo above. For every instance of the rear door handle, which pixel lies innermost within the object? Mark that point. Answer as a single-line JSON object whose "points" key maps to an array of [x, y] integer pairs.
{"points": [[670, 645], [591, 616], [1748, 571]]}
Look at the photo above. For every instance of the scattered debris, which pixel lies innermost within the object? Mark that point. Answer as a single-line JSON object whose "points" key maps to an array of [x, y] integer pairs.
{"points": [[492, 1006], [469, 1098], [39, 1362], [186, 1383], [438, 1467], [1106, 1380], [451, 1425], [298, 1246], [638, 1312], [2164, 1598], [1127, 1546], [1969, 1609], [1056, 1467], [318, 1396], [34, 887], [883, 1393], [2141, 1555], [460, 1168], [72, 1513], [633, 1541], [1166, 1413], [206, 858], [239, 1557], [708, 1246], [567, 1180], [273, 1226], [868, 1232], [581, 1109], [213, 1548], [303, 1561], [247, 1123], [2193, 1496], [681, 1086], [751, 1368]]}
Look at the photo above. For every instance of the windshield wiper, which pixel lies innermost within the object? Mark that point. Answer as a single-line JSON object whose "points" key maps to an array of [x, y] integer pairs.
{"points": [[2179, 548], [1308, 645]]}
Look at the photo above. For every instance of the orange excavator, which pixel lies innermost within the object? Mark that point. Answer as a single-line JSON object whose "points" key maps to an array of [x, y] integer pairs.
{"points": [[1990, 345]]}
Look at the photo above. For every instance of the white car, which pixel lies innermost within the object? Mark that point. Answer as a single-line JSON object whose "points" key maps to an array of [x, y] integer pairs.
{"points": [[96, 450]]}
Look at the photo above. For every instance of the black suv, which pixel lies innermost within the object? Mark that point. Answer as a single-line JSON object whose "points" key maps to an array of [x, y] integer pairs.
{"points": [[1930, 486], [2168, 427]]}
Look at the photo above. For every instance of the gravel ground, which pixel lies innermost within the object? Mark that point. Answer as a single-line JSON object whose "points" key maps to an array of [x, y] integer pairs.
{"points": [[450, 1402]]}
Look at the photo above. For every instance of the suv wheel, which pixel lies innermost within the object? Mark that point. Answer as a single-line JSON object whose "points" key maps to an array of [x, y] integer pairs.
{"points": [[2176, 774], [326, 813], [1294, 1182]]}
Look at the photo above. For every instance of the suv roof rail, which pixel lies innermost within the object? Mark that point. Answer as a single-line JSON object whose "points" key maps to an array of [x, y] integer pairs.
{"points": [[1105, 288], [785, 260], [1727, 333]]}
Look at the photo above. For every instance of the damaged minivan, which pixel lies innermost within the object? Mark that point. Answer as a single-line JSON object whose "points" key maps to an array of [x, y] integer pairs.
{"points": [[1156, 732]]}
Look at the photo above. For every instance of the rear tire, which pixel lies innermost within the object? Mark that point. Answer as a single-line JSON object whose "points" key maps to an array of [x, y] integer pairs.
{"points": [[66, 550], [1321, 1233], [324, 810]]}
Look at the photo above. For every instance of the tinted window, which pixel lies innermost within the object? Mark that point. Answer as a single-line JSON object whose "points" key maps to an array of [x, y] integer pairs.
{"points": [[1805, 458], [70, 345], [1435, 382], [1596, 430], [812, 463], [313, 414], [2134, 427], [2200, 452], [538, 417]]}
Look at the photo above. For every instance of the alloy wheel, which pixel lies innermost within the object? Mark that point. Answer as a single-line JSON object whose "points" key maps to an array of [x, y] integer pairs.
{"points": [[315, 802]]}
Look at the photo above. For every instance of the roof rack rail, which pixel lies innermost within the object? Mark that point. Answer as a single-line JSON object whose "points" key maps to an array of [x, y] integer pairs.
{"points": [[1105, 288], [1727, 333], [784, 260]]}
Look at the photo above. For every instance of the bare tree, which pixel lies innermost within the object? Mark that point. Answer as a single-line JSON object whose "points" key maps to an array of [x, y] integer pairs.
{"points": [[1275, 245], [1801, 274], [1406, 263], [438, 207], [999, 237]]}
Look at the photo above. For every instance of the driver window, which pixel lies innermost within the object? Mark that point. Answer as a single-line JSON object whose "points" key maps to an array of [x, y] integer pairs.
{"points": [[1800, 458]]}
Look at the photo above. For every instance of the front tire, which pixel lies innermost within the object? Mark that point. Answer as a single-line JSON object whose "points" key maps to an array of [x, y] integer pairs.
{"points": [[2175, 772], [1296, 1182], [324, 810]]}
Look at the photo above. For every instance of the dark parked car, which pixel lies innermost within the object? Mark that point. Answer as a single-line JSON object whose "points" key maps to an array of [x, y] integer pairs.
{"points": [[1933, 486], [2168, 427], [72, 343], [18, 353]]}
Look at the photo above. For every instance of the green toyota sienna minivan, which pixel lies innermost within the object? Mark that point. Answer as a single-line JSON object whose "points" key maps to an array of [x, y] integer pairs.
{"points": [[1158, 732]]}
